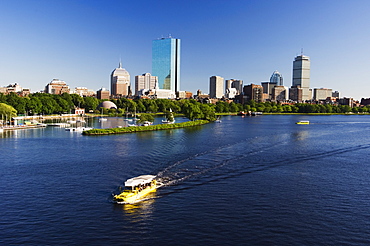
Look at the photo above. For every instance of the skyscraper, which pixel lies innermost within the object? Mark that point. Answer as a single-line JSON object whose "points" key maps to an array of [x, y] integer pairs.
{"points": [[276, 78], [301, 75], [166, 63], [216, 87], [120, 82], [145, 81]]}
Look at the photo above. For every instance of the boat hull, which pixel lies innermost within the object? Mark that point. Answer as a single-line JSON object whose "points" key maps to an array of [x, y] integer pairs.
{"points": [[134, 196]]}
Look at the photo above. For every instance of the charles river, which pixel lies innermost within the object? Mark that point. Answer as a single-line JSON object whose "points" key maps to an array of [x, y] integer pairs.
{"points": [[245, 181]]}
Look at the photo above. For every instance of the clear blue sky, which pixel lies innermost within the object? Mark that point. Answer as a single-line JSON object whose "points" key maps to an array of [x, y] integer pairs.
{"points": [[81, 42]]}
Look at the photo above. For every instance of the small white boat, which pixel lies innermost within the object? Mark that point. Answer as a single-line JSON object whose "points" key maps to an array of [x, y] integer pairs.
{"points": [[103, 119], [78, 129]]}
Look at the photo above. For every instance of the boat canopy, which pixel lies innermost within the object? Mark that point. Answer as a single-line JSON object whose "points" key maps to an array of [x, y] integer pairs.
{"points": [[140, 180]]}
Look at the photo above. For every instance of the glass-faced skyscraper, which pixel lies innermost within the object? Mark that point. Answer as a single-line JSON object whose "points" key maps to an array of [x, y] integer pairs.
{"points": [[276, 78], [166, 63]]}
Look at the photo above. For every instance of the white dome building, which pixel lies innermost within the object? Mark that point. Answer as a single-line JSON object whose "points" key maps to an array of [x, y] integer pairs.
{"points": [[107, 105]]}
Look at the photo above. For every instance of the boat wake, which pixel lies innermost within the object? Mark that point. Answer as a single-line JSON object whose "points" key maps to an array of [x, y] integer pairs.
{"points": [[255, 156]]}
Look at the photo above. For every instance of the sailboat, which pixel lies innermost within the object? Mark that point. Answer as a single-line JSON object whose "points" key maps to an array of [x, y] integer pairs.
{"points": [[127, 119], [167, 121], [101, 117]]}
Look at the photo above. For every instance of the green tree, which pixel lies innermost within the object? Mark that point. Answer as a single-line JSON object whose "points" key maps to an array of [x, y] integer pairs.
{"points": [[90, 103], [7, 110], [146, 117]]}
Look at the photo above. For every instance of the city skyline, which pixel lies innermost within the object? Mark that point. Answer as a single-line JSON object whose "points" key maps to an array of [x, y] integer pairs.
{"points": [[37, 47]]}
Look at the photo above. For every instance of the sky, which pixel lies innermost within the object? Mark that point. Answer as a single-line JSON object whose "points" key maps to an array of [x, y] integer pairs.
{"points": [[82, 41]]}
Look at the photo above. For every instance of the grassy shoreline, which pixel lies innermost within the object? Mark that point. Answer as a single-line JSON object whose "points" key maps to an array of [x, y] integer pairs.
{"points": [[131, 129]]}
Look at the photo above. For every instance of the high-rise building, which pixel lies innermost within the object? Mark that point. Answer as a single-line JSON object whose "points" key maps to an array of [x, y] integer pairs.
{"points": [[120, 82], [166, 63], [234, 83], [276, 78], [216, 87], [145, 82], [301, 76]]}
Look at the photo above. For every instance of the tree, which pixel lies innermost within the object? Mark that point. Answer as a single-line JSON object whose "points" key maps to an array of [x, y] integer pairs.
{"points": [[7, 110], [90, 103], [146, 117]]}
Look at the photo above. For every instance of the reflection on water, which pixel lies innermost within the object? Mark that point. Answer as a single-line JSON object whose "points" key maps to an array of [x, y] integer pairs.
{"points": [[299, 136], [139, 212]]}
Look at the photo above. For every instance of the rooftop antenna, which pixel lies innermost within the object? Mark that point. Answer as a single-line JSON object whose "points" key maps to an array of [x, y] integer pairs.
{"points": [[301, 51]]}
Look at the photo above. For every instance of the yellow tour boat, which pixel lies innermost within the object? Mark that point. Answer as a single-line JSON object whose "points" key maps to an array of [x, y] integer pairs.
{"points": [[303, 122], [136, 188]]}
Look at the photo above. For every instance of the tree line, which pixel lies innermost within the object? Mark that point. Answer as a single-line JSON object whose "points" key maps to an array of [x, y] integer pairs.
{"points": [[45, 104]]}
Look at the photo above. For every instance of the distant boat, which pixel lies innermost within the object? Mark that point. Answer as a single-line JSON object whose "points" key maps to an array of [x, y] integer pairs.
{"points": [[303, 122], [78, 129], [218, 120]]}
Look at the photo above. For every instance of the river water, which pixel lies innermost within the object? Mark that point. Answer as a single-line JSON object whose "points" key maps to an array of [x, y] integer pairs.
{"points": [[245, 181]]}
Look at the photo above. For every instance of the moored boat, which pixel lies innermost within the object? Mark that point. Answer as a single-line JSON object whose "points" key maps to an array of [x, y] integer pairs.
{"points": [[303, 122], [136, 189]]}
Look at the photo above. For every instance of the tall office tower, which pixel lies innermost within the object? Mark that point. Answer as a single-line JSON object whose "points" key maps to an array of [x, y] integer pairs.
{"points": [[301, 76], [276, 78], [120, 82], [216, 87], [166, 63], [145, 82]]}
